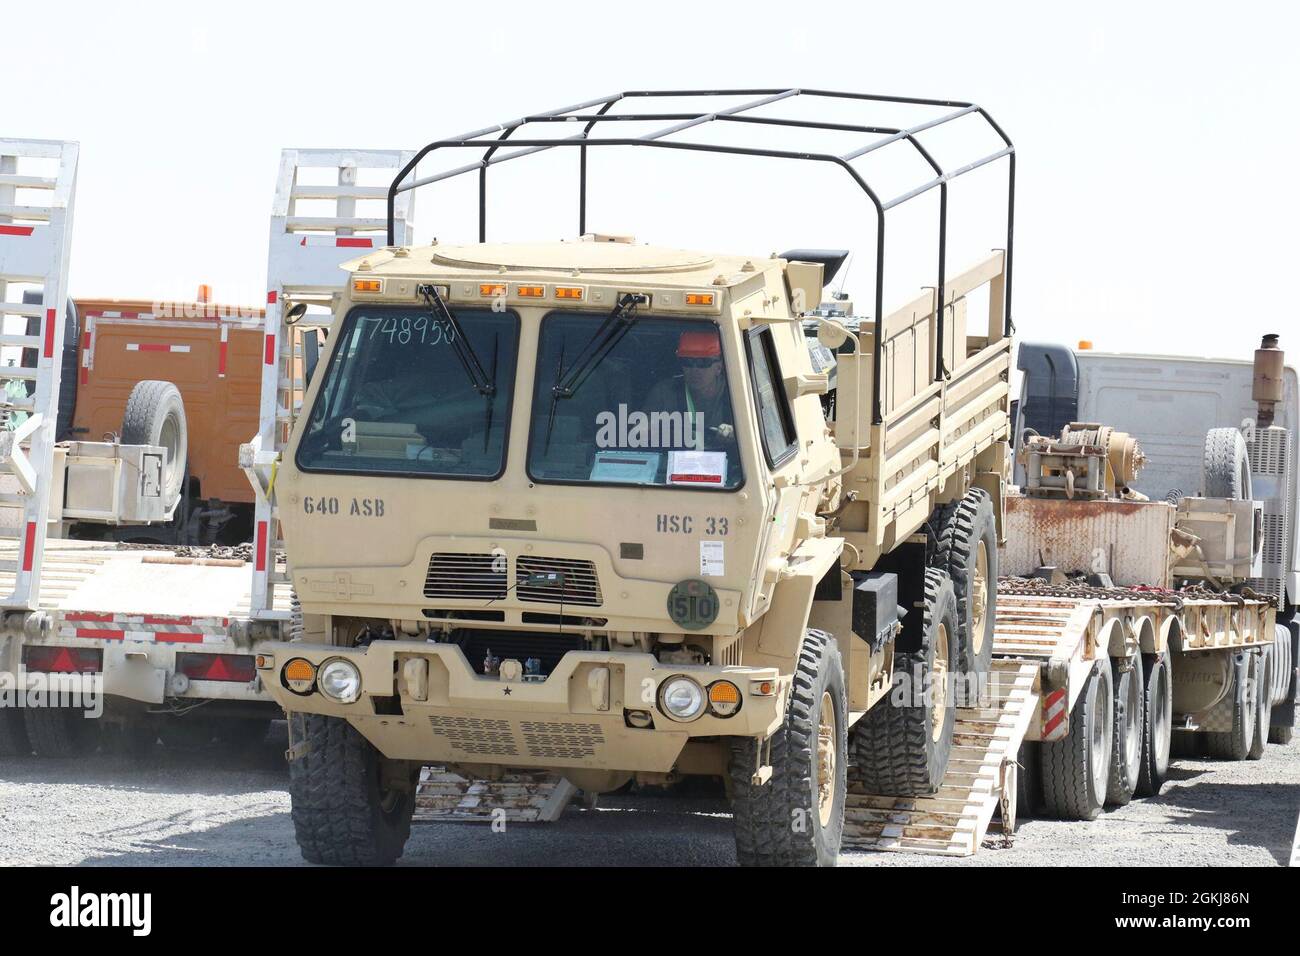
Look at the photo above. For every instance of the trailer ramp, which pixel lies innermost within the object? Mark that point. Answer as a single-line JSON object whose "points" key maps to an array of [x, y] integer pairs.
{"points": [[954, 820], [518, 797]]}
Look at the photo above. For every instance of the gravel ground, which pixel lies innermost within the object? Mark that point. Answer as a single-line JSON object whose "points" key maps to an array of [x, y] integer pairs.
{"points": [[178, 808]]}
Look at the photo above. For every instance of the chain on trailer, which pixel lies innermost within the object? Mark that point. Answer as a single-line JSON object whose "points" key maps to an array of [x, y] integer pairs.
{"points": [[35, 243], [306, 252]]}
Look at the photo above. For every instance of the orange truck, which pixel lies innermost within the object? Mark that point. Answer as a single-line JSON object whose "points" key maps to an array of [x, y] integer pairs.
{"points": [[213, 355]]}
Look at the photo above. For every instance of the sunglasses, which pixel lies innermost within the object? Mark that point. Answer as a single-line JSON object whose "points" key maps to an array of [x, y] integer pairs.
{"points": [[699, 362]]}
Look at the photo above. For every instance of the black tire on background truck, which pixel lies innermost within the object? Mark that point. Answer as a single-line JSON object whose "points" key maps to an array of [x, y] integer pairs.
{"points": [[968, 550], [1284, 668], [13, 733], [796, 818], [344, 813], [901, 747], [1225, 470], [1076, 770], [1235, 744], [155, 415], [59, 731], [1157, 735], [1263, 697], [1128, 723]]}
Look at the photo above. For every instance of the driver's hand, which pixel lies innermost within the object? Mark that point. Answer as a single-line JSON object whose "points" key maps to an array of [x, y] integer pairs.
{"points": [[724, 431]]}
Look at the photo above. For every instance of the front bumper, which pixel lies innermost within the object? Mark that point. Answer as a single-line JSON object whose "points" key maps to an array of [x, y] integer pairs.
{"points": [[423, 701]]}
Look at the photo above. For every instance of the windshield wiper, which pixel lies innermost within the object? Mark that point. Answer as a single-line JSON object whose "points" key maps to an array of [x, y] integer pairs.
{"points": [[616, 325], [469, 360]]}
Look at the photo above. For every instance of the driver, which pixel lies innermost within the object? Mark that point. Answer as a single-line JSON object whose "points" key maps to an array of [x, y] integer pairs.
{"points": [[700, 391]]}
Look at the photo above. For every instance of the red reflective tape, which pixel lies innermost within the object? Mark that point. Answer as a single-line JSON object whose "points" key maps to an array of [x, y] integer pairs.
{"points": [[167, 619], [1053, 724], [1054, 696], [106, 634], [221, 357], [261, 546], [29, 546], [50, 317], [88, 616], [152, 347], [269, 358], [15, 230], [84, 375], [354, 243], [271, 297], [178, 637]]}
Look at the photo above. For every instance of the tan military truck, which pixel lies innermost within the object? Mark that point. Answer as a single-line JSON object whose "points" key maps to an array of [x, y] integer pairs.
{"points": [[598, 507]]}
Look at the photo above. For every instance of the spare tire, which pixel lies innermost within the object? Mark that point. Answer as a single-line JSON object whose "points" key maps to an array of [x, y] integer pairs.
{"points": [[155, 415], [1226, 466]]}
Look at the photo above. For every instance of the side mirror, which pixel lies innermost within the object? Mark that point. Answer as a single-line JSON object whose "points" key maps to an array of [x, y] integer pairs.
{"points": [[295, 313], [831, 334]]}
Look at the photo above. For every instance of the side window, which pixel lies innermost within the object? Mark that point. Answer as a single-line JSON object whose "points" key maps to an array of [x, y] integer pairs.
{"points": [[774, 418]]}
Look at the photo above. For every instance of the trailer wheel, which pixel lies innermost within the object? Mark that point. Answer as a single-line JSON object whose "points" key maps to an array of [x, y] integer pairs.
{"points": [[1157, 725], [1225, 469], [968, 551], [1235, 744], [155, 415], [1284, 669], [1076, 770], [345, 811], [58, 731], [1263, 694], [1129, 731], [901, 747], [13, 733], [797, 817]]}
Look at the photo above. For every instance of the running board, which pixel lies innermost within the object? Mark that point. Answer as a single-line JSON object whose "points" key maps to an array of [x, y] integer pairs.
{"points": [[518, 797], [982, 770]]}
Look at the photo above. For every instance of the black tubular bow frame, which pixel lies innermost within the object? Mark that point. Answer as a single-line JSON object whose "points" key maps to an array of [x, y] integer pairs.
{"points": [[686, 120]]}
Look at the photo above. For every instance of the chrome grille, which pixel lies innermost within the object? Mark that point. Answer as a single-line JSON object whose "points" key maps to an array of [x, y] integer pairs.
{"points": [[576, 584], [468, 576]]}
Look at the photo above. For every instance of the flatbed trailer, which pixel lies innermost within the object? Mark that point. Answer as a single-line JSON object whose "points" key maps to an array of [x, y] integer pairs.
{"points": [[157, 630]]}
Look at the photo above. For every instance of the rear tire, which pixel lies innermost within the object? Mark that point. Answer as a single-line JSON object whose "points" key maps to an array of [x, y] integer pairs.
{"points": [[155, 415], [13, 733], [1263, 694], [343, 813], [968, 551], [902, 748], [58, 732], [1129, 731], [1225, 470], [1157, 723], [797, 817], [1076, 770], [1235, 744]]}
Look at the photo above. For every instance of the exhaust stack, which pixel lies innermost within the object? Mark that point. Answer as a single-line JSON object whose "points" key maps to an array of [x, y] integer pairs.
{"points": [[1266, 389]]}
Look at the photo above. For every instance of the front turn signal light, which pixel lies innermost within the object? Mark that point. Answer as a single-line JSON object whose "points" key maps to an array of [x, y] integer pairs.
{"points": [[299, 675]]}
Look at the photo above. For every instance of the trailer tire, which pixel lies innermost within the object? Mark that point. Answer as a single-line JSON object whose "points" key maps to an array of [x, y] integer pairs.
{"points": [[155, 415], [342, 813], [1128, 722], [13, 733], [903, 749], [58, 732], [968, 551], [1225, 470], [1157, 724], [1235, 744], [796, 818], [1263, 694], [1076, 770], [1284, 670]]}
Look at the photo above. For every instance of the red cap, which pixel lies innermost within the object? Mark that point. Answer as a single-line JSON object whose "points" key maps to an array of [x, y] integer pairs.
{"points": [[699, 345]]}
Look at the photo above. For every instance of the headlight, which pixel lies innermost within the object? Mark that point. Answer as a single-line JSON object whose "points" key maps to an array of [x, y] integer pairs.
{"points": [[340, 680], [681, 698]]}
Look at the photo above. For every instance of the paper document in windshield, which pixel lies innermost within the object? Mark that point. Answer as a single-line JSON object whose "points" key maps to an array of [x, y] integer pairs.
{"points": [[697, 468]]}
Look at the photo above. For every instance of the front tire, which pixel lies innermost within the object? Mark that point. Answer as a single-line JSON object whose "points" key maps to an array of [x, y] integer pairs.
{"points": [[901, 747], [1076, 770], [796, 818], [344, 812]]}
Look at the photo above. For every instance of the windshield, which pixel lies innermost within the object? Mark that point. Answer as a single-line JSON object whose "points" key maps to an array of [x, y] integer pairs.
{"points": [[656, 410], [396, 399]]}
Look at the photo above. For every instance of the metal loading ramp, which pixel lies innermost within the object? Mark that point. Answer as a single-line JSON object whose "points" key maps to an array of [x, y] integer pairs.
{"points": [[981, 774], [518, 797]]}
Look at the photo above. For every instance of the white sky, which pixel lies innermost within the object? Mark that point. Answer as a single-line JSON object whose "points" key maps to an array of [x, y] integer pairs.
{"points": [[1155, 203]]}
